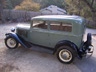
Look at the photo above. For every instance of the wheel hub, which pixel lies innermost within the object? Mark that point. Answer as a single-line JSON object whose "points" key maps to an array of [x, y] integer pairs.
{"points": [[11, 42], [65, 55]]}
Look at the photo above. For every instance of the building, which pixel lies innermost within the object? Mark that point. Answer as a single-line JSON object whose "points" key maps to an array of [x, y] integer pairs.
{"points": [[52, 9]]}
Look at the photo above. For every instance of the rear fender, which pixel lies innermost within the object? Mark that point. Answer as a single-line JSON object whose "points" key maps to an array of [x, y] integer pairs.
{"points": [[68, 43], [16, 37]]}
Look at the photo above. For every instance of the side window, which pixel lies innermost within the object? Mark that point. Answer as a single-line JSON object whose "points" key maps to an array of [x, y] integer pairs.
{"points": [[61, 26], [54, 25], [67, 27], [39, 24]]}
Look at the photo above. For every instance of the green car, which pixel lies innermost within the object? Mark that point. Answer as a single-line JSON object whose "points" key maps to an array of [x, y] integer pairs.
{"points": [[63, 34]]}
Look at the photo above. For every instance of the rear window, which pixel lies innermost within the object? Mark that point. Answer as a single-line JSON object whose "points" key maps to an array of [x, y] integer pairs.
{"points": [[61, 26]]}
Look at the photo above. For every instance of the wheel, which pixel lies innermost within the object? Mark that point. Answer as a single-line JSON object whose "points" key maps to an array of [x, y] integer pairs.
{"points": [[11, 43], [66, 54]]}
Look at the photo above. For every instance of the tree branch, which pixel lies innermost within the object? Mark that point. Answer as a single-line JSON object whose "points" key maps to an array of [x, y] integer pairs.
{"points": [[90, 5], [92, 2]]}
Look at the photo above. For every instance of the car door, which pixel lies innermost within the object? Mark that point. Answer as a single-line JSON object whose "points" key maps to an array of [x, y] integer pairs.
{"points": [[58, 32], [39, 33]]}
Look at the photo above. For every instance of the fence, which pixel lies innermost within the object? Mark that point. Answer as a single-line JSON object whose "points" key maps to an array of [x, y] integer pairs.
{"points": [[91, 24], [19, 15]]}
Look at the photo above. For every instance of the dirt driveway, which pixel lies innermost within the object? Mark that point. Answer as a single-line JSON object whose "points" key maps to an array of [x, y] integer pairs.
{"points": [[34, 60]]}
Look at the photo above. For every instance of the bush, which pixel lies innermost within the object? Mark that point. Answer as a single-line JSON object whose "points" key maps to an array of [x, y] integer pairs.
{"points": [[28, 5]]}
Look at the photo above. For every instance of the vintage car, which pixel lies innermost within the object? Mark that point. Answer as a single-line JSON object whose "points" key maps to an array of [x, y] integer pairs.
{"points": [[63, 34]]}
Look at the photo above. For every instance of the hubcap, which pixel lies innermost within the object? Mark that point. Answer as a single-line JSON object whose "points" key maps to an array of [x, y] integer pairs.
{"points": [[65, 55], [11, 42]]}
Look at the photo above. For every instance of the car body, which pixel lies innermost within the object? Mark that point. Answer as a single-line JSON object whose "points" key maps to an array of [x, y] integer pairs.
{"points": [[61, 33]]}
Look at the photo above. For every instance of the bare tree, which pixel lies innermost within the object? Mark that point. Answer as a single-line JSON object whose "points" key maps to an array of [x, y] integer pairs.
{"points": [[91, 6]]}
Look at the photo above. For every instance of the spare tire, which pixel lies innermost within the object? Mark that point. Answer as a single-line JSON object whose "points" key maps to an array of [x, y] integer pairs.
{"points": [[89, 39]]}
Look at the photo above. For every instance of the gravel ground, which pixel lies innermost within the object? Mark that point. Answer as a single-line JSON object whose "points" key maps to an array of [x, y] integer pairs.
{"points": [[34, 60]]}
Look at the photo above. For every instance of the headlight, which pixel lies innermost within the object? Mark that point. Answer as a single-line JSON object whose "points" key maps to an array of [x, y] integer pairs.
{"points": [[12, 29]]}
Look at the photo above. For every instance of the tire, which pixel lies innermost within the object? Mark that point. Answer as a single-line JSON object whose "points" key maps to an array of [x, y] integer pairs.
{"points": [[89, 39], [68, 52], [11, 43]]}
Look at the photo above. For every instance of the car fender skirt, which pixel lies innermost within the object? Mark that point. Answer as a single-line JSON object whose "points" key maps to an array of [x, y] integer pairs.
{"points": [[18, 38], [68, 43]]}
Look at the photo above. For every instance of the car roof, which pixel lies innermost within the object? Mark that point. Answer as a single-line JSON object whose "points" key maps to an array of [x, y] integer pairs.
{"points": [[58, 17]]}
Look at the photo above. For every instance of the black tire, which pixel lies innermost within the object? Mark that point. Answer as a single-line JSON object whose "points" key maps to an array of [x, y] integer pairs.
{"points": [[89, 39], [15, 43], [68, 50]]}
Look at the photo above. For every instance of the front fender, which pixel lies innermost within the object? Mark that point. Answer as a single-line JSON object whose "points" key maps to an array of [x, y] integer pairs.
{"points": [[15, 36]]}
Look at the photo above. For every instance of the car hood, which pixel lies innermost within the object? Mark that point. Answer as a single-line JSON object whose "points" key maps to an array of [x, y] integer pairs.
{"points": [[23, 26]]}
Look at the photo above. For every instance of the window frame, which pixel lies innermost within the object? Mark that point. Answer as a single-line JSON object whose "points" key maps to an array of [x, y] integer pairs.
{"points": [[47, 28]]}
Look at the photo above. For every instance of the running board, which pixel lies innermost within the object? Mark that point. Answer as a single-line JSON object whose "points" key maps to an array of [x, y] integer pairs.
{"points": [[42, 49]]}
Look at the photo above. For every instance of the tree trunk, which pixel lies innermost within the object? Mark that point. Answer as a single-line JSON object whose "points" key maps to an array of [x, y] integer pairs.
{"points": [[94, 16], [1, 12]]}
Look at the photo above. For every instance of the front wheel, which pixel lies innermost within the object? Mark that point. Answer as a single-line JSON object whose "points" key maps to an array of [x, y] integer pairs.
{"points": [[65, 54], [11, 43]]}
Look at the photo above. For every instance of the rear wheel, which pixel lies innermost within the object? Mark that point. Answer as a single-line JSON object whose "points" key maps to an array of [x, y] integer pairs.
{"points": [[66, 54], [11, 43]]}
